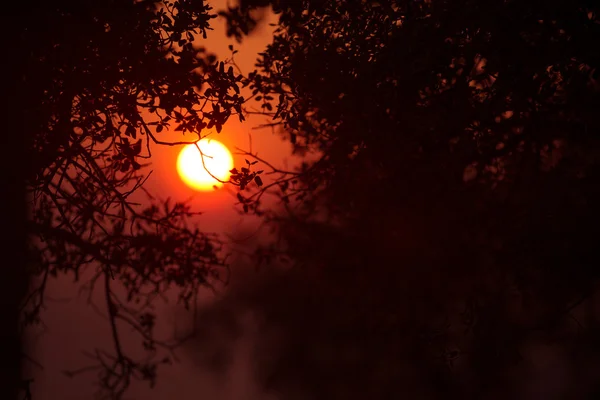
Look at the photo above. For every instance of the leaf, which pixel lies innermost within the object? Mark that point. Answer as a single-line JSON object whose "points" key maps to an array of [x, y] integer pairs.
{"points": [[137, 147], [159, 128], [469, 173], [258, 181], [130, 131]]}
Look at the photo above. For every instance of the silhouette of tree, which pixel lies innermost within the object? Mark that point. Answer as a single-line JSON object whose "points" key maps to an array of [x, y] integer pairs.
{"points": [[447, 219], [450, 215], [104, 82]]}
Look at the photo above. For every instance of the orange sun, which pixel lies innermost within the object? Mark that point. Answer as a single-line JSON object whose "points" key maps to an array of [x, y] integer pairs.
{"points": [[201, 175]]}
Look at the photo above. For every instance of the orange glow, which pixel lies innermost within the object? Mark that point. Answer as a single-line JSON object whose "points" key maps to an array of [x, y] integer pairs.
{"points": [[201, 175]]}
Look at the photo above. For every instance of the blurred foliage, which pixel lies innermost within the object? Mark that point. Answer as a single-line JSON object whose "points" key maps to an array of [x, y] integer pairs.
{"points": [[445, 216], [451, 214]]}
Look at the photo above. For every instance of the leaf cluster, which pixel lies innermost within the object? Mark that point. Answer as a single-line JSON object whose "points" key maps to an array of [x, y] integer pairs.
{"points": [[455, 149], [106, 82]]}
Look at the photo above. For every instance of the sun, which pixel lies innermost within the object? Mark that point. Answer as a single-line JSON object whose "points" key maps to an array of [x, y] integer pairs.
{"points": [[199, 171]]}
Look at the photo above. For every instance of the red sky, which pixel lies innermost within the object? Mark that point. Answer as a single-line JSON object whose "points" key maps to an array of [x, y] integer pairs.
{"points": [[72, 327], [217, 205]]}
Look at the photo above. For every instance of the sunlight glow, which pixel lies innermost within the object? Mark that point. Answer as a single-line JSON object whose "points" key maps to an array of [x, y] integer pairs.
{"points": [[217, 164]]}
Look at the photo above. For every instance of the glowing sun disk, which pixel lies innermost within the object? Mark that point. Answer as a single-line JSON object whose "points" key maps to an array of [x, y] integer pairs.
{"points": [[198, 169]]}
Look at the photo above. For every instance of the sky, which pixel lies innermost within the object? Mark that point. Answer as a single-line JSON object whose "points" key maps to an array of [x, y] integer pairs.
{"points": [[71, 327]]}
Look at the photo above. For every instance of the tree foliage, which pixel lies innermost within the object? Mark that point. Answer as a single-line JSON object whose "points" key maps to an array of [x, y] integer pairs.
{"points": [[445, 218], [450, 216], [104, 83]]}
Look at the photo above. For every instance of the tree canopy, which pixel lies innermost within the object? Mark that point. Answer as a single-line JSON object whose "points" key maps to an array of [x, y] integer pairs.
{"points": [[450, 217], [104, 83], [445, 216]]}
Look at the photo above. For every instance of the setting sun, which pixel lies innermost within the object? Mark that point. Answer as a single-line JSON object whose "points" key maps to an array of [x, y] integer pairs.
{"points": [[201, 176]]}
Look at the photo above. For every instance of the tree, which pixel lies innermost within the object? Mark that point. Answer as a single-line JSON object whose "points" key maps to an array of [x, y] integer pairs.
{"points": [[450, 216], [104, 82], [454, 186]]}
